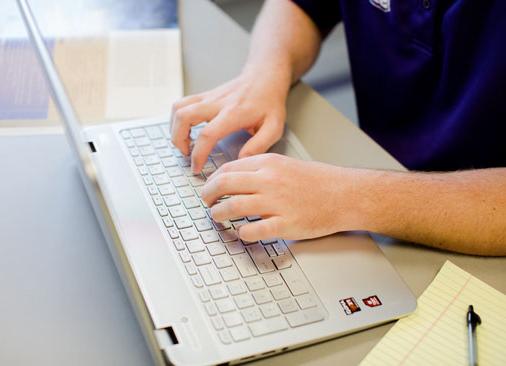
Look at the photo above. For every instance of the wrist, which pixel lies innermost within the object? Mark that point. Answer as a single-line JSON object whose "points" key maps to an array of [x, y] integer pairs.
{"points": [[359, 195], [274, 75]]}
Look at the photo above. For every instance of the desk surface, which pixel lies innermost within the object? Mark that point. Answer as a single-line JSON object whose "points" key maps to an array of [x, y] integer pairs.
{"points": [[214, 51]]}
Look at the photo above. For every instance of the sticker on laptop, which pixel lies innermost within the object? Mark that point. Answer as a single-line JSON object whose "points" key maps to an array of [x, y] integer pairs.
{"points": [[372, 301], [349, 305]]}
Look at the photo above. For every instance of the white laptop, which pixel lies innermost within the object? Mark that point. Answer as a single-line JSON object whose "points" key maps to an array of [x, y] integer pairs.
{"points": [[201, 295]]}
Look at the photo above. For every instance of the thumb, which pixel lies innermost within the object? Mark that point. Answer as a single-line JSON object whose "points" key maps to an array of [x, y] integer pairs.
{"points": [[268, 134]]}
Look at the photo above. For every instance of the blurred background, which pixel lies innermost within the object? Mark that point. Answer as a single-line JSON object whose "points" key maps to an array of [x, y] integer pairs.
{"points": [[330, 75]]}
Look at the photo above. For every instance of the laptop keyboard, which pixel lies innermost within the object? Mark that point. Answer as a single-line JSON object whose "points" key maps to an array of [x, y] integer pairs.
{"points": [[247, 289]]}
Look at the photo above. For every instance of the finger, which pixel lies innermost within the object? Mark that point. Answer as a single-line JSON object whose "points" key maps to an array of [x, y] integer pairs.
{"points": [[268, 134], [249, 164], [189, 116], [235, 207], [262, 229], [186, 101], [221, 126], [229, 184]]}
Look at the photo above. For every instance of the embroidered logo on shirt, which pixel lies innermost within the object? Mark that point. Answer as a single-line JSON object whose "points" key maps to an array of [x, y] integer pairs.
{"points": [[383, 5]]}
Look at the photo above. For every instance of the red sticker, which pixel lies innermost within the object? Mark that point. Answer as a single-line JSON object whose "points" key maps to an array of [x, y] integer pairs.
{"points": [[372, 301], [349, 305]]}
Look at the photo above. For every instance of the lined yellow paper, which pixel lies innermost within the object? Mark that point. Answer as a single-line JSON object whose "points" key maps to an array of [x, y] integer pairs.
{"points": [[436, 333]]}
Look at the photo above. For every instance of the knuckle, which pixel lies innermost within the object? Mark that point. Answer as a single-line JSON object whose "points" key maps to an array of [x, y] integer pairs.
{"points": [[207, 134]]}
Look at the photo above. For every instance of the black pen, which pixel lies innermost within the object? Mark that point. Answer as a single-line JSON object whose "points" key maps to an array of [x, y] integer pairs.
{"points": [[473, 320]]}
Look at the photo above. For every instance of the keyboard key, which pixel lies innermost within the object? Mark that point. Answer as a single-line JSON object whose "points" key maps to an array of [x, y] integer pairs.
{"points": [[229, 274], [304, 317], [280, 293], [138, 161], [217, 322], [157, 200], [162, 210], [209, 237], [171, 200], [147, 180], [134, 152], [251, 315], [201, 258], [234, 247], [173, 233], [273, 280], [211, 309], [143, 170], [220, 226], [280, 248], [191, 202], [288, 306], [253, 218], [244, 265], [175, 172], [203, 224], [197, 180], [137, 132], [261, 258], [218, 292], [255, 283], [268, 326], [269, 310], [167, 221], [177, 211], [179, 181], [244, 301], [153, 132], [197, 281], [191, 269], [225, 337], [228, 236], [270, 250], [219, 159], [306, 301], [146, 150], [184, 161], [239, 334], [164, 153], [160, 144], [210, 275], [189, 234], [262, 297], [282, 262], [216, 249], [185, 257], [236, 288], [126, 134], [222, 261], [294, 282], [151, 160], [185, 192], [183, 222], [178, 244], [166, 189], [195, 246], [142, 141], [169, 162], [225, 305], [232, 319], [152, 190], [156, 169], [197, 213], [161, 179]]}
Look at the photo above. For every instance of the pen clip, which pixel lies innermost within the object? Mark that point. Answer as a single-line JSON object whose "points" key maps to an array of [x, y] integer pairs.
{"points": [[473, 319]]}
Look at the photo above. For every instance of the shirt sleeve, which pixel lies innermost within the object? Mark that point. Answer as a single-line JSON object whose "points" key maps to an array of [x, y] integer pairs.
{"points": [[324, 13]]}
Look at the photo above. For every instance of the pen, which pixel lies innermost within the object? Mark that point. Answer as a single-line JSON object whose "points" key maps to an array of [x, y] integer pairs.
{"points": [[473, 320]]}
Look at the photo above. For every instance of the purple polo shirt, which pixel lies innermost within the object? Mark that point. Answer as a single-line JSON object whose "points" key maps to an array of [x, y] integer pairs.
{"points": [[429, 76]]}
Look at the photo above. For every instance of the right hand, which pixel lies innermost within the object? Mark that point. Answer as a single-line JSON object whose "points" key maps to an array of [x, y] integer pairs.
{"points": [[252, 101]]}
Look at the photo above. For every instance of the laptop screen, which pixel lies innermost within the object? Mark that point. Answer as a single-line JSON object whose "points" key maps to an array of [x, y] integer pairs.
{"points": [[117, 59]]}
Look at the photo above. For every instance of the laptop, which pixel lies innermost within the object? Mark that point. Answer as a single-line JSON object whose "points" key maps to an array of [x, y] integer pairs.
{"points": [[201, 295]]}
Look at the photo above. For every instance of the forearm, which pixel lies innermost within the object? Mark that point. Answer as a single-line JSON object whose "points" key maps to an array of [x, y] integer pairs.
{"points": [[285, 49], [460, 211]]}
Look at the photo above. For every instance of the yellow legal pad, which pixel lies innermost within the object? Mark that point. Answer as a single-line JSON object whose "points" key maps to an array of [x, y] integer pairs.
{"points": [[436, 333]]}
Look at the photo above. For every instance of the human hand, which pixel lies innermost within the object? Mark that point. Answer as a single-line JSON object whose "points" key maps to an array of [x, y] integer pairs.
{"points": [[254, 101], [296, 199]]}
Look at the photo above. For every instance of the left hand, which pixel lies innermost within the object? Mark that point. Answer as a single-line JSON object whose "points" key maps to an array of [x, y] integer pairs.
{"points": [[296, 199]]}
